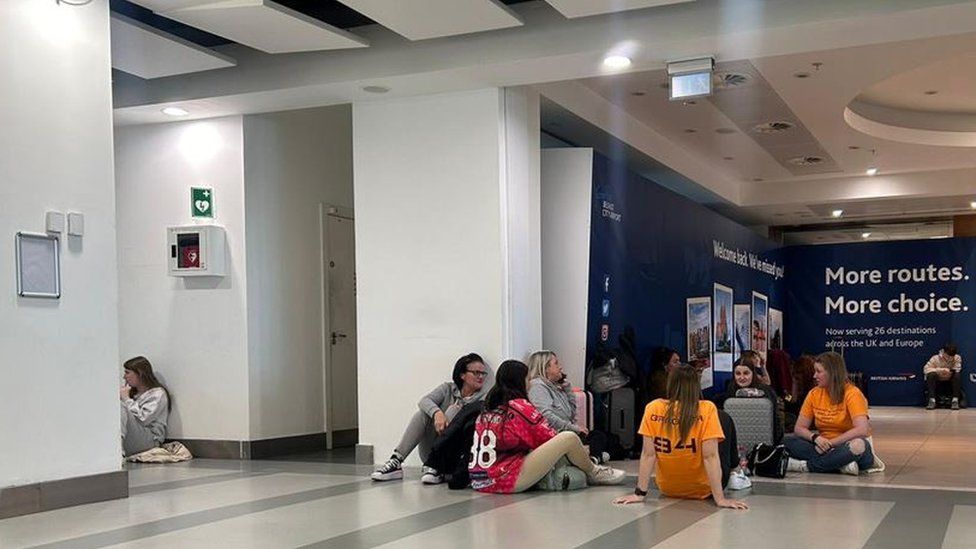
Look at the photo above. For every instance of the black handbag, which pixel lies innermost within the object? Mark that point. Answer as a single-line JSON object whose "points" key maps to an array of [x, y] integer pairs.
{"points": [[766, 460]]}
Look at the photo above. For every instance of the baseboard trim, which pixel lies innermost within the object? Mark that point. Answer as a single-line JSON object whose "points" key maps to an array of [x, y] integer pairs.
{"points": [[274, 447], [345, 438], [57, 494], [256, 449]]}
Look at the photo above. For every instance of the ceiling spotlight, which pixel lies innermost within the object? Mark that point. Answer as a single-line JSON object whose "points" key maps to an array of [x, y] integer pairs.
{"points": [[837, 213], [376, 89], [616, 62], [972, 205], [175, 111], [865, 235], [638, 94], [871, 171], [931, 92]]}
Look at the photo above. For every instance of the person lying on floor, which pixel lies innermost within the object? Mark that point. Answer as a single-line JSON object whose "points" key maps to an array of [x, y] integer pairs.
{"points": [[681, 436], [514, 447], [437, 409], [840, 412], [145, 407], [552, 395]]}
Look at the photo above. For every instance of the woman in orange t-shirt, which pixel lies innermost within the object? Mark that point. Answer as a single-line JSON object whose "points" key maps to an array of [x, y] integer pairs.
{"points": [[681, 436], [840, 412]]}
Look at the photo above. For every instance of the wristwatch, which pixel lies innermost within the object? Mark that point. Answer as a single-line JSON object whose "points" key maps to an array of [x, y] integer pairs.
{"points": [[639, 492], [814, 437]]}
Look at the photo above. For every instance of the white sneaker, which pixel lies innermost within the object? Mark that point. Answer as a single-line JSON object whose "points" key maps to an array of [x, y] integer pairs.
{"points": [[851, 469], [391, 470], [431, 476], [796, 466], [739, 481], [604, 457], [602, 474]]}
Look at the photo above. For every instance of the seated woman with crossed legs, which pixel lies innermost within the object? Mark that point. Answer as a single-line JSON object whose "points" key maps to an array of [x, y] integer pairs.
{"points": [[841, 415]]}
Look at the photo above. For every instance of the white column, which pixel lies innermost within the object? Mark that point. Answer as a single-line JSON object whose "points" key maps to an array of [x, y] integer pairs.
{"points": [[446, 244], [59, 372]]}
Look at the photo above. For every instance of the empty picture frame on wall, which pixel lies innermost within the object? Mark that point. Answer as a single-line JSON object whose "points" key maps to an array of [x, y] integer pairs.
{"points": [[38, 265]]}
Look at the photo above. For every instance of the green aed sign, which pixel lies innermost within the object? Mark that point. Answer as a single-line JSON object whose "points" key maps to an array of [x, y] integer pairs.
{"points": [[201, 201]]}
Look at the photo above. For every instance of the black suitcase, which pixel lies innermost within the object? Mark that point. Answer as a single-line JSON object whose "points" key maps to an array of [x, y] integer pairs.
{"points": [[621, 410]]}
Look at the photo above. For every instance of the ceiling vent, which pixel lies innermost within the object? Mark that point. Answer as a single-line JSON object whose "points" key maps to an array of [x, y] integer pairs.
{"points": [[806, 160], [730, 80], [773, 127]]}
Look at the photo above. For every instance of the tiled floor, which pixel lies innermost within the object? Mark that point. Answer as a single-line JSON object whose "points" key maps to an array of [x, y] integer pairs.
{"points": [[925, 499]]}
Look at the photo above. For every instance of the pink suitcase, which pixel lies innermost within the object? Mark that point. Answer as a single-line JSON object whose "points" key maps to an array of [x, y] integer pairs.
{"points": [[584, 408]]}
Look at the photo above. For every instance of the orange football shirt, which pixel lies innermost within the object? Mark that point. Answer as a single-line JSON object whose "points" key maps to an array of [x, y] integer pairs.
{"points": [[681, 465]]}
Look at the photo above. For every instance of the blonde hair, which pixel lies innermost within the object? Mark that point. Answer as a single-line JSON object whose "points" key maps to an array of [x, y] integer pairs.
{"points": [[836, 370], [538, 362], [684, 393]]}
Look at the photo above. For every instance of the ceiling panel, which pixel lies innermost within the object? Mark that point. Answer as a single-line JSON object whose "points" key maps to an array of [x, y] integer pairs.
{"points": [[150, 53], [584, 8], [170, 5], [422, 19], [266, 26]]}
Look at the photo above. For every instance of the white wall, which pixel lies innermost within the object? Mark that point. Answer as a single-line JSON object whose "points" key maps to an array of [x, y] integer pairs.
{"points": [[567, 188], [59, 411], [432, 247], [293, 161], [193, 330]]}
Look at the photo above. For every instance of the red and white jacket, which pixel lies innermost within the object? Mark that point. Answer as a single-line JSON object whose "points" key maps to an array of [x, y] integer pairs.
{"points": [[502, 438]]}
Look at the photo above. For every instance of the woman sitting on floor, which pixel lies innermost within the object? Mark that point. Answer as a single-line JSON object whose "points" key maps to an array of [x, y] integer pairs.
{"points": [[681, 436], [437, 409], [145, 407], [514, 447], [552, 395], [840, 412]]}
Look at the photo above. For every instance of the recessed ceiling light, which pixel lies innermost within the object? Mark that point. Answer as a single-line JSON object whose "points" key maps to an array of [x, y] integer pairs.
{"points": [[931, 92], [376, 89], [691, 130], [972, 205], [871, 171], [853, 147], [865, 235], [638, 94], [757, 179], [616, 62], [175, 111], [729, 157], [837, 213], [801, 75], [689, 103]]}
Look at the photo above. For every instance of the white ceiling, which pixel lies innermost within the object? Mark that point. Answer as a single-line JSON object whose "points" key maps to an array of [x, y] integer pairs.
{"points": [[423, 19], [585, 8], [847, 49], [151, 53]]}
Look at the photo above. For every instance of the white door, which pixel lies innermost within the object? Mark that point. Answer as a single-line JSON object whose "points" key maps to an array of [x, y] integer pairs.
{"points": [[341, 401]]}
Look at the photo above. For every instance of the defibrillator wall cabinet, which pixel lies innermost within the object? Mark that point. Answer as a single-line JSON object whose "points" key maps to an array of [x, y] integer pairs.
{"points": [[196, 250]]}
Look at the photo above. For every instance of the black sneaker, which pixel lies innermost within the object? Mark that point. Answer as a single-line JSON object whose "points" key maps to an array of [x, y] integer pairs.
{"points": [[391, 470]]}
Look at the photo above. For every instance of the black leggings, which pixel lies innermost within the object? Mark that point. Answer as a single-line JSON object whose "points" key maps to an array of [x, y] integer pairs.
{"points": [[728, 449]]}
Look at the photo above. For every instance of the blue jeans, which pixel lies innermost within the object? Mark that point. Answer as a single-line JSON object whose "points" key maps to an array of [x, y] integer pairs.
{"points": [[832, 461]]}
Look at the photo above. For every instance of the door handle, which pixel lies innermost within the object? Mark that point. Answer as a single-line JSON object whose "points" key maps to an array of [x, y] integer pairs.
{"points": [[336, 336]]}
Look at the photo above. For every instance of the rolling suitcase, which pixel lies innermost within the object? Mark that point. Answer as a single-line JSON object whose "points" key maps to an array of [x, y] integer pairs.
{"points": [[621, 409], [754, 420], [584, 408]]}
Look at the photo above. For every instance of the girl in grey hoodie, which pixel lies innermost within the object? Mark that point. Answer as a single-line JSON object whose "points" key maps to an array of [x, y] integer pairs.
{"points": [[470, 382]]}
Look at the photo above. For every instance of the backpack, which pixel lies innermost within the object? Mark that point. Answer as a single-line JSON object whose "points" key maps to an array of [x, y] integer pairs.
{"points": [[563, 477]]}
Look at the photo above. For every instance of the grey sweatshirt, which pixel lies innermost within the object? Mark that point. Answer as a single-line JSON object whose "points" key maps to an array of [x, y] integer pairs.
{"points": [[556, 403], [943, 361], [152, 410], [446, 397]]}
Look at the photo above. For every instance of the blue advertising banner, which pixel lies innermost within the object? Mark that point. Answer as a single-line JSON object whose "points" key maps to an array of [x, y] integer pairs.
{"points": [[887, 306], [651, 250]]}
